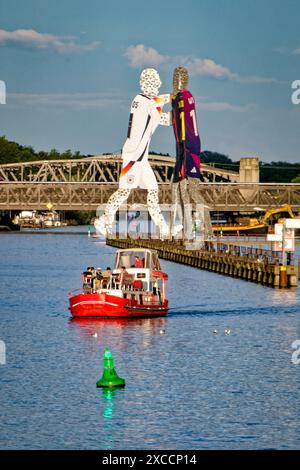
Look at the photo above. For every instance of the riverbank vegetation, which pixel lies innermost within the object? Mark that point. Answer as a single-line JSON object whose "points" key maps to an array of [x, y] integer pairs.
{"points": [[274, 172]]}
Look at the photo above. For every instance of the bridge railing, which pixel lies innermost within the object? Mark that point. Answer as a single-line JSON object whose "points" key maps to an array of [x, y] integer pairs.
{"points": [[88, 195], [105, 169]]}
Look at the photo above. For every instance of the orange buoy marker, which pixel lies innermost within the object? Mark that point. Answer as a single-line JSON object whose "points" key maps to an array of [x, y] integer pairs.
{"points": [[110, 377]]}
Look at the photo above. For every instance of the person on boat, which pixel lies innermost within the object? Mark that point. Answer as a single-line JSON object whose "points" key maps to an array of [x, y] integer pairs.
{"points": [[138, 262], [159, 295], [87, 283], [98, 279], [91, 276], [99, 273], [125, 278], [106, 277], [123, 273]]}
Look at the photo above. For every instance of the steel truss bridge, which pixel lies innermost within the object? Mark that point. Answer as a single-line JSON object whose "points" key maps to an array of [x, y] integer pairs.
{"points": [[86, 183]]}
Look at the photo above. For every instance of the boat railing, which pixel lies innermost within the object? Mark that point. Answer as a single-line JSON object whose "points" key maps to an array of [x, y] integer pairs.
{"points": [[143, 297], [252, 253], [76, 292]]}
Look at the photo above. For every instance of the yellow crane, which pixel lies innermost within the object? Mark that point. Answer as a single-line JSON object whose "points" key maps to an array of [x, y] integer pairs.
{"points": [[255, 225]]}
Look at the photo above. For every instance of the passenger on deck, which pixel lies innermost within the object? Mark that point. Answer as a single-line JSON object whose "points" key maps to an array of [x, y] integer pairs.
{"points": [[138, 263], [92, 270], [106, 277], [98, 279], [87, 280], [123, 274], [99, 273], [125, 278], [159, 296]]}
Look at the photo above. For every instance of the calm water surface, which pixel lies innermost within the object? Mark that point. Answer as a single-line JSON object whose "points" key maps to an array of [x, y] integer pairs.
{"points": [[187, 388]]}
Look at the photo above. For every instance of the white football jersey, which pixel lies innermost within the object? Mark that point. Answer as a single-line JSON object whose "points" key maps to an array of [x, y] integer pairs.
{"points": [[145, 115]]}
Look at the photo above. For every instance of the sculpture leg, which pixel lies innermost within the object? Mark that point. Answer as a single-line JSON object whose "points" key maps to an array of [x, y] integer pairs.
{"points": [[155, 212], [207, 224], [197, 197], [104, 223], [176, 201], [186, 208], [180, 200]]}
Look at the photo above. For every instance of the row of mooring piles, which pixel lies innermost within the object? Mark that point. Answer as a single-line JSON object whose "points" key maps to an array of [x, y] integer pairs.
{"points": [[248, 263]]}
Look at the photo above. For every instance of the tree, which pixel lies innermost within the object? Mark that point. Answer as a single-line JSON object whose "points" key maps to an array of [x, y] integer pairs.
{"points": [[11, 152], [296, 180]]}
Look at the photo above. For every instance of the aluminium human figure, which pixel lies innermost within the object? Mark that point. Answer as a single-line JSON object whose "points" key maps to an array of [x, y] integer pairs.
{"points": [[186, 176], [145, 115]]}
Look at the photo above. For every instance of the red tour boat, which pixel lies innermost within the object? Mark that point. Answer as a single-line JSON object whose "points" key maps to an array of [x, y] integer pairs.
{"points": [[135, 288]]}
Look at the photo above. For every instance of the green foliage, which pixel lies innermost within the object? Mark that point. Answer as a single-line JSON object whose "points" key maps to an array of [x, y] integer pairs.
{"points": [[274, 172], [215, 157], [279, 172], [80, 217], [11, 152], [159, 153], [219, 160]]}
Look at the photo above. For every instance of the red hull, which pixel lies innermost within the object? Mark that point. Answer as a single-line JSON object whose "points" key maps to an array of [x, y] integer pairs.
{"points": [[107, 305]]}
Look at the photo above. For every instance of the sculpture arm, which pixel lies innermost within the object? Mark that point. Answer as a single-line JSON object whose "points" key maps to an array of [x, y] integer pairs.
{"points": [[166, 119], [164, 99]]}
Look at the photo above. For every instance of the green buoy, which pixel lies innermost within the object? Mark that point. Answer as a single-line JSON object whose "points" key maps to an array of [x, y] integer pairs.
{"points": [[110, 377]]}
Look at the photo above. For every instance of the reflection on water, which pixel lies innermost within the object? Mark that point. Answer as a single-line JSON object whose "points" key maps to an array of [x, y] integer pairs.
{"points": [[117, 329], [90, 325], [285, 296], [108, 396]]}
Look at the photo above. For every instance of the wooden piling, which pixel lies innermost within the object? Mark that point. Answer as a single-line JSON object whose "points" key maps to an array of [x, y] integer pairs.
{"points": [[234, 262]]}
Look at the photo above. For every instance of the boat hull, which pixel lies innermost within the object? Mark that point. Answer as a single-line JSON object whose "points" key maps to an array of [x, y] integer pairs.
{"points": [[108, 306]]}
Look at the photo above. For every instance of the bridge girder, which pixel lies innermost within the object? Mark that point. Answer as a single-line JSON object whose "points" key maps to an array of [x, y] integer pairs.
{"points": [[99, 169], [88, 196], [84, 184]]}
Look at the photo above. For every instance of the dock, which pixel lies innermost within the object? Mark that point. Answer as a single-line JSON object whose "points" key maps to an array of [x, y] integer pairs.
{"points": [[243, 262]]}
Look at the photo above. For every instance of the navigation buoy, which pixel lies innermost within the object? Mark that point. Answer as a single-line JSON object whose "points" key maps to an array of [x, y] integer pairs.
{"points": [[215, 332], [110, 377]]}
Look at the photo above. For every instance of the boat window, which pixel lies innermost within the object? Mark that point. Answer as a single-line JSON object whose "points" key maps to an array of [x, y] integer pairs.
{"points": [[124, 261], [133, 259], [146, 260], [138, 259]]}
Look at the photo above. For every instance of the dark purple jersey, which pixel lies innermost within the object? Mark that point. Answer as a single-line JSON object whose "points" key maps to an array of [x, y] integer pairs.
{"points": [[188, 145]]}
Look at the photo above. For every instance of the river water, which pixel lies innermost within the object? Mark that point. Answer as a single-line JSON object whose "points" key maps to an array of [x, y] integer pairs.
{"points": [[186, 387]]}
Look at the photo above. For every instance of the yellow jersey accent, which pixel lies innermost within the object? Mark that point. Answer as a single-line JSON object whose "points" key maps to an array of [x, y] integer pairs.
{"points": [[182, 125]]}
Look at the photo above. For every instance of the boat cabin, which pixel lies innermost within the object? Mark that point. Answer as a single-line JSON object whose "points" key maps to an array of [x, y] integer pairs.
{"points": [[139, 269], [137, 258]]}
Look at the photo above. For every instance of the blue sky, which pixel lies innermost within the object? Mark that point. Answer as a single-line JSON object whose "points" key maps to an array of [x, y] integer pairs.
{"points": [[72, 67]]}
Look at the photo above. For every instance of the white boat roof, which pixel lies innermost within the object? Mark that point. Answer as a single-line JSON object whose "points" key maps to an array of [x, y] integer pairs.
{"points": [[139, 250], [124, 257]]}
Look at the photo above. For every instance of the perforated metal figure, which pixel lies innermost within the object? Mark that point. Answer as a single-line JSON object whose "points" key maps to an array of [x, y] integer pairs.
{"points": [[185, 188], [145, 115]]}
